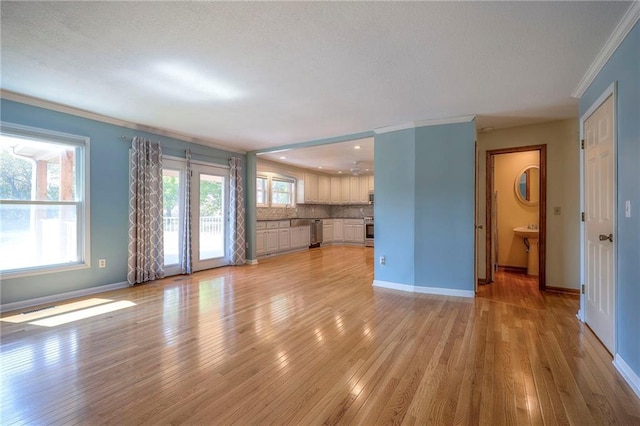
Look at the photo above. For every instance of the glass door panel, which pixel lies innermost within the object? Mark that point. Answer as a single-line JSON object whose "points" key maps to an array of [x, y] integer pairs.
{"points": [[209, 201], [171, 217]]}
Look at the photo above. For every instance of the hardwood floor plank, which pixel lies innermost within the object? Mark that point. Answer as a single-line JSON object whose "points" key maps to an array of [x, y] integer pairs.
{"points": [[305, 339]]}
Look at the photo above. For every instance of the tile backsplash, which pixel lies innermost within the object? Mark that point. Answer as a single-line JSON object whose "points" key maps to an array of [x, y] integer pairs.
{"points": [[314, 211]]}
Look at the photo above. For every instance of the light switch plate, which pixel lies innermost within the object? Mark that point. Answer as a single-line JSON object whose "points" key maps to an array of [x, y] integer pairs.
{"points": [[627, 208]]}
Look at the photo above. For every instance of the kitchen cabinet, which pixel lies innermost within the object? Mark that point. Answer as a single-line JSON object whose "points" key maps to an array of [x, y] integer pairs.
{"points": [[345, 190], [299, 237], [261, 242], [354, 231], [324, 189], [336, 190], [363, 190], [309, 188], [284, 242], [271, 244], [371, 181], [327, 231], [354, 189], [338, 230]]}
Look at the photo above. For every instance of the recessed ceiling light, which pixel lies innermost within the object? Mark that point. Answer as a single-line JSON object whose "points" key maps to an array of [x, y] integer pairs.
{"points": [[282, 157], [340, 171], [366, 170], [319, 167], [357, 147]]}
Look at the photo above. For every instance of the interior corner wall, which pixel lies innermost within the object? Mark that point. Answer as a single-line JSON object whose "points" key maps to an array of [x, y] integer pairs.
{"points": [[444, 203], [394, 210], [109, 198], [624, 68], [424, 206]]}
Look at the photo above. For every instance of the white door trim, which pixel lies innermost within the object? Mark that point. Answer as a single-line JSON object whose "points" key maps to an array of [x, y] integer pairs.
{"points": [[610, 91]]}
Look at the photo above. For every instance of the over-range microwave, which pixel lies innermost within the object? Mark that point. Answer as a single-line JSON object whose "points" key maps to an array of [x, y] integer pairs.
{"points": [[370, 197]]}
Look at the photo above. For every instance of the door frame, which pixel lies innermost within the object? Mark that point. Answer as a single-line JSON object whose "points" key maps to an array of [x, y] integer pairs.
{"points": [[542, 209], [609, 91]]}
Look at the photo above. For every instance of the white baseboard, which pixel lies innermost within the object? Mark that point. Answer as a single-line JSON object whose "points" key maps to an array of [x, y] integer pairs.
{"points": [[424, 290], [251, 261], [629, 375], [61, 296]]}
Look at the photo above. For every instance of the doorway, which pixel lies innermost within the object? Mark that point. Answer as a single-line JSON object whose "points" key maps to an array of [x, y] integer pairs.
{"points": [[522, 185], [209, 208]]}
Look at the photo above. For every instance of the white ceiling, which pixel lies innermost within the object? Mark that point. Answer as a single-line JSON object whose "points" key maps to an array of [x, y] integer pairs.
{"points": [[258, 75], [335, 158]]}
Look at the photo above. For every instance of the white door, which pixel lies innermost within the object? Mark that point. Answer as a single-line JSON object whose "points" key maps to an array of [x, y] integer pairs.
{"points": [[208, 216], [599, 190]]}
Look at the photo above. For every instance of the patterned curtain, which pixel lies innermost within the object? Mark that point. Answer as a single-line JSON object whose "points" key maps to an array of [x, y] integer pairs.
{"points": [[146, 251], [237, 254], [186, 262]]}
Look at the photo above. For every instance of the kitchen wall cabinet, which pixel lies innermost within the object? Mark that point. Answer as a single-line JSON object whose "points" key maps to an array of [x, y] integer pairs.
{"points": [[371, 182], [354, 189], [324, 189], [336, 190], [363, 189], [345, 190], [309, 188]]}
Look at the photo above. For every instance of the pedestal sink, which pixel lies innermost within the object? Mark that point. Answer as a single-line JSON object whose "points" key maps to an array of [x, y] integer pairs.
{"points": [[532, 236]]}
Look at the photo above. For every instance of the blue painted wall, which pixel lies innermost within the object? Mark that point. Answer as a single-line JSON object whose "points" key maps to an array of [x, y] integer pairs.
{"points": [[444, 194], [624, 67], [424, 208], [109, 197], [394, 210]]}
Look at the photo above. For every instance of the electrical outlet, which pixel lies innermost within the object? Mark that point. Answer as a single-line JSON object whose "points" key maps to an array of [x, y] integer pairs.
{"points": [[383, 260], [627, 208], [102, 263]]}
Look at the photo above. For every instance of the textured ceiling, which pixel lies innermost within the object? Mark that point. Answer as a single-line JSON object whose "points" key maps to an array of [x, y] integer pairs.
{"points": [[258, 75]]}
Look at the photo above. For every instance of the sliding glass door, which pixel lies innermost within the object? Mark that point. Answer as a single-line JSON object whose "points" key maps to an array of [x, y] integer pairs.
{"points": [[209, 207]]}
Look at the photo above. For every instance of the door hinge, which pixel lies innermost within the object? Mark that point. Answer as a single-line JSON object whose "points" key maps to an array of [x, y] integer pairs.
{"points": [[582, 144], [582, 216], [582, 288]]}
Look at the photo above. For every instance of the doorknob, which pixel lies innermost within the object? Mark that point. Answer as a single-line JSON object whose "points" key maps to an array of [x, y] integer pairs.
{"points": [[606, 237]]}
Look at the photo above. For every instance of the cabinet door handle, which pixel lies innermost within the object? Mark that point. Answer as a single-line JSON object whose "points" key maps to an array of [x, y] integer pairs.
{"points": [[606, 237]]}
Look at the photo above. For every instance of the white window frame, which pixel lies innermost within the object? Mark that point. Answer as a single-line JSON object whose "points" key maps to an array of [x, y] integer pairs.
{"points": [[82, 197], [293, 191], [266, 191]]}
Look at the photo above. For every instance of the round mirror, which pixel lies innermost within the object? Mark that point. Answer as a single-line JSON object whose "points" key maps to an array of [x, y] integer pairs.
{"points": [[527, 185]]}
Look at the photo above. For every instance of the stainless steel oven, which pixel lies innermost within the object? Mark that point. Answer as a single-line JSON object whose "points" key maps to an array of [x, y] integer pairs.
{"points": [[368, 231]]}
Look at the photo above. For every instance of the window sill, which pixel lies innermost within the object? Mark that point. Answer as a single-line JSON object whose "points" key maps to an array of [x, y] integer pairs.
{"points": [[43, 270]]}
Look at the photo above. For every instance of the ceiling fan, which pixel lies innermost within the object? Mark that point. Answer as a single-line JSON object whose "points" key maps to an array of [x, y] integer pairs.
{"points": [[355, 169]]}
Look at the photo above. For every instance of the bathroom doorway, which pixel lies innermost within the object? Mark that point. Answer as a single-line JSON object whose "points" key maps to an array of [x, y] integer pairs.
{"points": [[516, 183]]}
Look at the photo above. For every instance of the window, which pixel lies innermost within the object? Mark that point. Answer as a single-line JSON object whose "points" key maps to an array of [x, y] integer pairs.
{"points": [[43, 201], [281, 192], [261, 191]]}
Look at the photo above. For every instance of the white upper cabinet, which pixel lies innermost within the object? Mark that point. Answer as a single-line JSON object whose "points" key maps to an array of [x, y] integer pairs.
{"points": [[336, 190], [324, 189], [363, 194], [345, 192], [371, 181]]}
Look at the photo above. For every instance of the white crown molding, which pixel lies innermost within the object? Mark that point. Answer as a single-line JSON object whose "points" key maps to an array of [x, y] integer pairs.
{"points": [[424, 290], [627, 373], [41, 103], [61, 296], [394, 128], [425, 123], [449, 120], [625, 25]]}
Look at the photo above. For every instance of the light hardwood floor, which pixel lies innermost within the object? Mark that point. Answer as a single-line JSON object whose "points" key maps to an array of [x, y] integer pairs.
{"points": [[305, 339]]}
